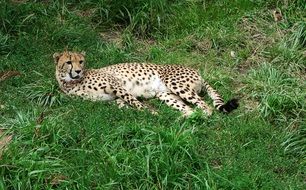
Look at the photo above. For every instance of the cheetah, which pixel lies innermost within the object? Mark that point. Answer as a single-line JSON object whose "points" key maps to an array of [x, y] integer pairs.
{"points": [[178, 86]]}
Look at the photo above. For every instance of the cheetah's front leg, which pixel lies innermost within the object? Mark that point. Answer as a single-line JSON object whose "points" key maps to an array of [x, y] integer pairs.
{"points": [[121, 93], [125, 97]]}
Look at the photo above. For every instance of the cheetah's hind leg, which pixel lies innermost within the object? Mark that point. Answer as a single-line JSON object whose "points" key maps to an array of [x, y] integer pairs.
{"points": [[189, 95], [176, 102]]}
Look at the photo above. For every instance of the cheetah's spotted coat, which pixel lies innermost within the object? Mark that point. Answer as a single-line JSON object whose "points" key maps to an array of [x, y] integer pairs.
{"points": [[174, 84]]}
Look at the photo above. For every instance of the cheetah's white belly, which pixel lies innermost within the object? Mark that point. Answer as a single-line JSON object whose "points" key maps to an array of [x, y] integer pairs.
{"points": [[146, 88], [95, 96], [105, 97]]}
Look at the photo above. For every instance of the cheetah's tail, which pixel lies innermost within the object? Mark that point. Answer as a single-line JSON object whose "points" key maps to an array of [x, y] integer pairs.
{"points": [[218, 101]]}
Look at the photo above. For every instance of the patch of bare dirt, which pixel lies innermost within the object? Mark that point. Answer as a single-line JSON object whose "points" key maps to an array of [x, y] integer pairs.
{"points": [[119, 39], [251, 105], [200, 45], [196, 44], [86, 13], [259, 33], [114, 37], [144, 45]]}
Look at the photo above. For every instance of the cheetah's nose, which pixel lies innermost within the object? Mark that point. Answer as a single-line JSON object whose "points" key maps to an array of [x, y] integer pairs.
{"points": [[78, 71]]}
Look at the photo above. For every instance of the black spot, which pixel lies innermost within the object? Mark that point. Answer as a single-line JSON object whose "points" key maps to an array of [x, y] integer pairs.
{"points": [[89, 87], [137, 82], [95, 89], [115, 91], [173, 83]]}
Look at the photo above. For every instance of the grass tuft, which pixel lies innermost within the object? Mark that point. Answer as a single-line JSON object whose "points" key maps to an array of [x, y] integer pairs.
{"points": [[279, 94], [295, 142], [44, 93], [297, 39]]}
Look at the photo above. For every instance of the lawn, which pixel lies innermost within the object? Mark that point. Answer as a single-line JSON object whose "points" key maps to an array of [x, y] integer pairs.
{"points": [[244, 49]]}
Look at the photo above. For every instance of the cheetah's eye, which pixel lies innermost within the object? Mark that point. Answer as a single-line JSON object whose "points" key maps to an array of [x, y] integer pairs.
{"points": [[69, 62], [81, 62]]}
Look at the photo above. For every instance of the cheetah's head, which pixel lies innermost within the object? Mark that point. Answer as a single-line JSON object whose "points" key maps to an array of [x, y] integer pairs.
{"points": [[69, 65]]}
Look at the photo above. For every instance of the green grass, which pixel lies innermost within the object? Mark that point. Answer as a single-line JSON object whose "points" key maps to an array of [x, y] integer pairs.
{"points": [[62, 142]]}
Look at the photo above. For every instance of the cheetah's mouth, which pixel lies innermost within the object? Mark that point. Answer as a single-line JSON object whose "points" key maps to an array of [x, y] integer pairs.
{"points": [[74, 77]]}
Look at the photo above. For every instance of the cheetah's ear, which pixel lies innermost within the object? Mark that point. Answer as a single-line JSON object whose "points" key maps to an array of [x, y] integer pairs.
{"points": [[56, 57], [83, 53]]}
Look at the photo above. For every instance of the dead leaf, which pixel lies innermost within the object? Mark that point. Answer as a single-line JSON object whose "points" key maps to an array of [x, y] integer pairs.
{"points": [[7, 74], [41, 118], [216, 163], [277, 15], [56, 179], [5, 139]]}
